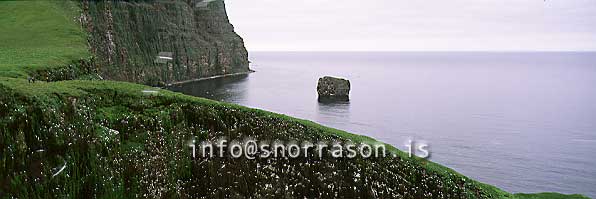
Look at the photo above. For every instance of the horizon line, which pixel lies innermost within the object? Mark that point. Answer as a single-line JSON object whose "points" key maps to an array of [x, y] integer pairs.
{"points": [[438, 51]]}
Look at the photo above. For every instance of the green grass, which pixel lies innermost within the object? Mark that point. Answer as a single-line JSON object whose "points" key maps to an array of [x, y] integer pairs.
{"points": [[39, 34], [547, 196]]}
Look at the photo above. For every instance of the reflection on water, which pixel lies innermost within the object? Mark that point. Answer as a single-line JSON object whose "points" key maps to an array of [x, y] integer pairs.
{"points": [[231, 88], [330, 111], [521, 121]]}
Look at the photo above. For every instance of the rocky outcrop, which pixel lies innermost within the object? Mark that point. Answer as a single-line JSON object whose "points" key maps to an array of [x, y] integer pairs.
{"points": [[128, 37], [333, 89]]}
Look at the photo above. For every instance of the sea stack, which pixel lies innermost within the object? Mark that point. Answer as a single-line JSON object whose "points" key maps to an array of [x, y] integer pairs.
{"points": [[333, 89]]}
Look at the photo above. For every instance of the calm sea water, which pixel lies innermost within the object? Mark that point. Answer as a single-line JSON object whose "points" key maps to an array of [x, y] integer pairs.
{"points": [[525, 122]]}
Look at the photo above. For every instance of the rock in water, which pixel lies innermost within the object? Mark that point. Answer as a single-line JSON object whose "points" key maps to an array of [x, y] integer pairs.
{"points": [[333, 89]]}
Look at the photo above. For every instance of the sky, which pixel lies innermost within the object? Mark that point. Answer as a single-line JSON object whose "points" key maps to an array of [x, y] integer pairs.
{"points": [[415, 25]]}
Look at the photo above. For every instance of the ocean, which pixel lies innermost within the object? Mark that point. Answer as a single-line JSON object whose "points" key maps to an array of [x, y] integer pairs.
{"points": [[522, 121]]}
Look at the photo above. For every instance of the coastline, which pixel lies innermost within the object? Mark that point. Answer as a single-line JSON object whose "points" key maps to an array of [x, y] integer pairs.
{"points": [[208, 78]]}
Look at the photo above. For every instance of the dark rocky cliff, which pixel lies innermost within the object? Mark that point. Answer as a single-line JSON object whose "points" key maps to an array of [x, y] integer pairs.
{"points": [[128, 36]]}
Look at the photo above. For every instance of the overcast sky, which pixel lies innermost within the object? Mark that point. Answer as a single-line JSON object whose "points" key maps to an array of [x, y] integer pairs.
{"points": [[407, 25]]}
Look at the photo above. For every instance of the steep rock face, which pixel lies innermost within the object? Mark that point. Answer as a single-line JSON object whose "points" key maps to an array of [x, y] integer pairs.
{"points": [[128, 36]]}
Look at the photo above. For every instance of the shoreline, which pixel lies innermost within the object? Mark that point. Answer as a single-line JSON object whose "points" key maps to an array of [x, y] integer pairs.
{"points": [[208, 78]]}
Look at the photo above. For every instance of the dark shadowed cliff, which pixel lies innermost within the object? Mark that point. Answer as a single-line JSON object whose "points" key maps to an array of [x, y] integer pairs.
{"points": [[128, 36]]}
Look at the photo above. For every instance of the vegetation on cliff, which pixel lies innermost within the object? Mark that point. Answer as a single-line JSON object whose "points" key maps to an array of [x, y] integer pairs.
{"points": [[108, 139], [127, 36]]}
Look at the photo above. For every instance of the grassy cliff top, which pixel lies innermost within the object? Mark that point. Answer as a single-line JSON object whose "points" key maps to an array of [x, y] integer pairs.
{"points": [[39, 34], [74, 121]]}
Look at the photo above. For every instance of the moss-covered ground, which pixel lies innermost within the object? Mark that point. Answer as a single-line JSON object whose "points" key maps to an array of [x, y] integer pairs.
{"points": [[107, 139]]}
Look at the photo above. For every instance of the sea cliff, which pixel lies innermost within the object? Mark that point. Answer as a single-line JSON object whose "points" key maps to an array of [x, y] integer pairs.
{"points": [[195, 36]]}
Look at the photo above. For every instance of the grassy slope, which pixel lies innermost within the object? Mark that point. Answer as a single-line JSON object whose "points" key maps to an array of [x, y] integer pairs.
{"points": [[37, 34]]}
